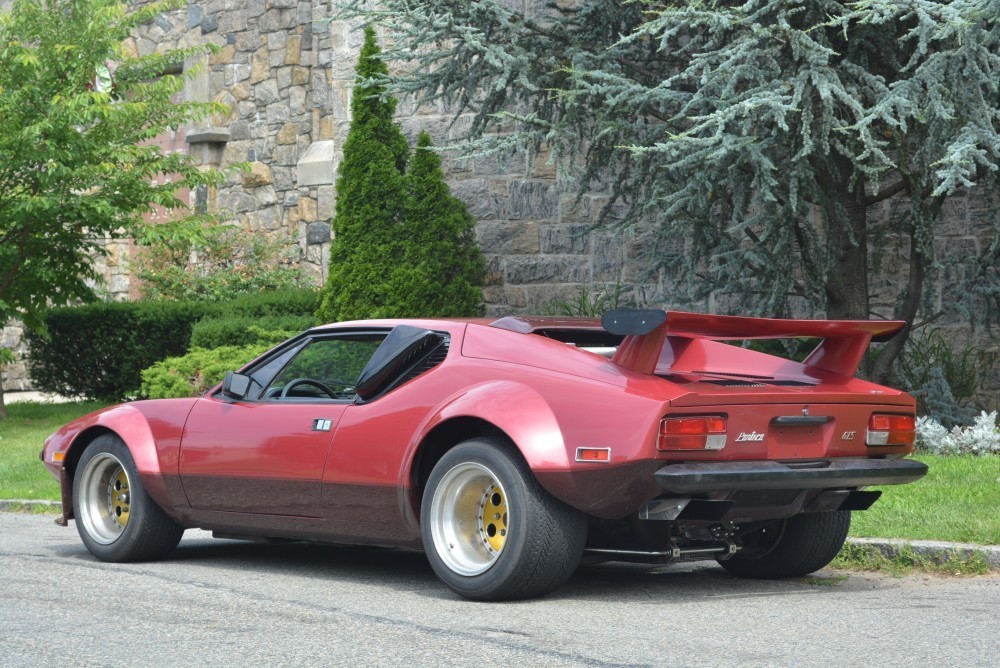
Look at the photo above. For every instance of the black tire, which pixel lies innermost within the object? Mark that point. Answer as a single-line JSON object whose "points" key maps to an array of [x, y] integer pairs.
{"points": [[539, 541], [801, 545], [117, 520]]}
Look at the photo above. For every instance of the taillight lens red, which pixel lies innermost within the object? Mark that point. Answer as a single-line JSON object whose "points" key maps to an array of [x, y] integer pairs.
{"points": [[891, 429], [703, 432]]}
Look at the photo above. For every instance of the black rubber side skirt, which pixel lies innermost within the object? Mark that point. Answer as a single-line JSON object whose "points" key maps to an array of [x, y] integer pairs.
{"points": [[695, 477]]}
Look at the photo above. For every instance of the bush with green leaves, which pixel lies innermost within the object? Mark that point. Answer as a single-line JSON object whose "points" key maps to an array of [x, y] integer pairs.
{"points": [[945, 375], [98, 351], [229, 261], [242, 330], [196, 371], [403, 246]]}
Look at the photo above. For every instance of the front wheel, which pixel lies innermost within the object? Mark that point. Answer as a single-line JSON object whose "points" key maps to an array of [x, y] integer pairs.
{"points": [[792, 547], [116, 518], [489, 529]]}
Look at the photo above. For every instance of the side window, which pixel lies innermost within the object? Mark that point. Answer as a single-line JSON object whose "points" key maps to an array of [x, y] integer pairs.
{"points": [[325, 369]]}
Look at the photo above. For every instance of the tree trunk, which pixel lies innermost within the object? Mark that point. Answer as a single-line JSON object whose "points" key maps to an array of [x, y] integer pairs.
{"points": [[3, 406], [910, 302], [847, 282]]}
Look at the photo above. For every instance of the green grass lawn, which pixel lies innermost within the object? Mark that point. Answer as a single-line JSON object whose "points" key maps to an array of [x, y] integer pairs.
{"points": [[22, 475], [959, 500]]}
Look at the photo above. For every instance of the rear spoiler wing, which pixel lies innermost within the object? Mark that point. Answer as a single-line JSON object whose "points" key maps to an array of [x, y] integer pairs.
{"points": [[646, 333]]}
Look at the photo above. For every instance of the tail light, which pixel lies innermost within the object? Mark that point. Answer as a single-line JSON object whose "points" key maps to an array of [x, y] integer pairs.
{"points": [[703, 432], [891, 430]]}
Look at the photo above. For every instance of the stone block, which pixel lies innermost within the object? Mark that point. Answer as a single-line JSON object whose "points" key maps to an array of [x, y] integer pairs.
{"points": [[266, 92], [195, 14], [277, 40], [257, 175], [528, 269], [319, 164], [287, 133], [223, 56], [209, 24], [236, 73], [284, 178], [482, 203], [317, 233], [293, 50], [307, 209], [494, 270], [508, 238], [300, 75], [274, 20], [240, 91], [608, 257], [565, 239], [226, 22], [326, 199], [255, 8], [284, 77], [297, 100], [249, 40], [286, 155], [497, 165], [533, 200], [277, 113], [260, 66]]}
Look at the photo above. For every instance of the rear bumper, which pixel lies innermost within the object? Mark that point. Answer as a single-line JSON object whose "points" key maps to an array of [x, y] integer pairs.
{"points": [[696, 477]]}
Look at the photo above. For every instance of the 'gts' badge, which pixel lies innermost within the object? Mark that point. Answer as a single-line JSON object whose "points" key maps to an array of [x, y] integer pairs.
{"points": [[321, 424], [752, 436], [848, 436]]}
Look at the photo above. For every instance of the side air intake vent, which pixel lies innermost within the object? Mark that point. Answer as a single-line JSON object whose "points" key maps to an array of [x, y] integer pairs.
{"points": [[429, 361]]}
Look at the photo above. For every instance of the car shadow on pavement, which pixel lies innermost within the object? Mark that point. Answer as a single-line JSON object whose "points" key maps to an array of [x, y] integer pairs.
{"points": [[410, 571]]}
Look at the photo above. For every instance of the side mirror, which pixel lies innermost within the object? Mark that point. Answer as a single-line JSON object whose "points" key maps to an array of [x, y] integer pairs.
{"points": [[235, 385]]}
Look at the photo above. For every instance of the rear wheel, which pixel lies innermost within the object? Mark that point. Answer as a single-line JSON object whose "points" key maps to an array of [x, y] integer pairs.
{"points": [[116, 518], [792, 547], [489, 529]]}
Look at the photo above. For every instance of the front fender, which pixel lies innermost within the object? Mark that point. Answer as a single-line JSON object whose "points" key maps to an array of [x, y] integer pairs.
{"points": [[155, 455]]}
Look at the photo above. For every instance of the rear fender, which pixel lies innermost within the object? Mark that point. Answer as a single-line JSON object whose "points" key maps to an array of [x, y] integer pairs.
{"points": [[515, 409]]}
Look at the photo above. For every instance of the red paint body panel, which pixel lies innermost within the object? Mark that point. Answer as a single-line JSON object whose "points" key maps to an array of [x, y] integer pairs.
{"points": [[260, 467]]}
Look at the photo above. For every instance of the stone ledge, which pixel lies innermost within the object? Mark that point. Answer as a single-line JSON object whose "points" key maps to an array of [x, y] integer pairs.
{"points": [[207, 135], [319, 164]]}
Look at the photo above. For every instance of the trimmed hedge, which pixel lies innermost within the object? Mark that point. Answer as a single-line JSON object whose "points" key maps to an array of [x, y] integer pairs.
{"points": [[99, 351], [241, 330]]}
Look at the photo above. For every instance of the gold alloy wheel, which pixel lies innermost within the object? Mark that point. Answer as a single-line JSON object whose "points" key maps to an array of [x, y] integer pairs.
{"points": [[118, 497], [469, 519], [493, 518], [105, 498]]}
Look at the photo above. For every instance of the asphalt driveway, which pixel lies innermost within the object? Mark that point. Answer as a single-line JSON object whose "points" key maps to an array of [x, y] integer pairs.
{"points": [[225, 603]]}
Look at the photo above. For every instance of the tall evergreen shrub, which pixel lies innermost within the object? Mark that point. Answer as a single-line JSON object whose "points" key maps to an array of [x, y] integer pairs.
{"points": [[403, 246]]}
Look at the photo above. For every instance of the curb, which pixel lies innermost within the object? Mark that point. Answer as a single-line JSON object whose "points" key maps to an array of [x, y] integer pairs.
{"points": [[935, 550], [35, 505]]}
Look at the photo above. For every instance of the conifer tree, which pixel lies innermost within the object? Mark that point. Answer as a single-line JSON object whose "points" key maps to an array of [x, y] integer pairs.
{"points": [[441, 268], [370, 199], [759, 135], [403, 246]]}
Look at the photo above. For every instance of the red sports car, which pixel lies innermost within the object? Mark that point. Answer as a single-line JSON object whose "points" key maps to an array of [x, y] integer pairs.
{"points": [[509, 449]]}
